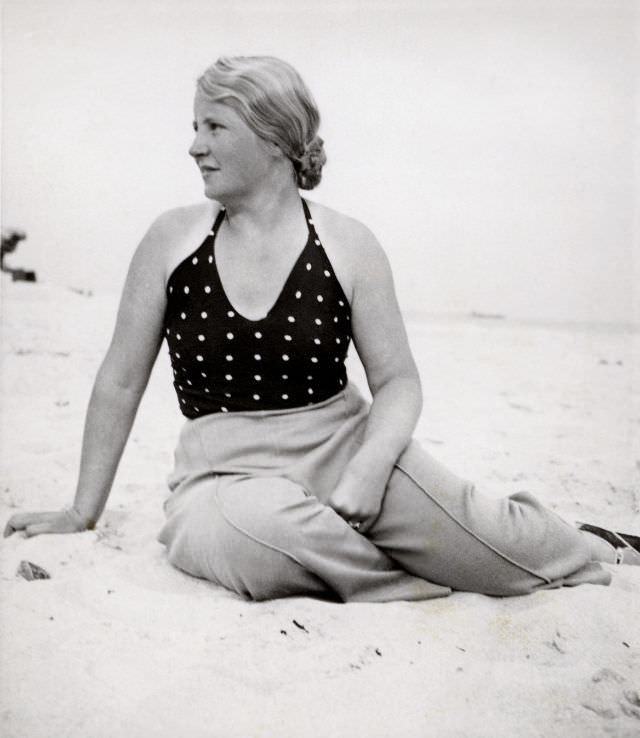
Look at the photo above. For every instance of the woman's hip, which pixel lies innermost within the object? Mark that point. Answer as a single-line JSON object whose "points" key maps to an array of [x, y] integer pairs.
{"points": [[310, 445]]}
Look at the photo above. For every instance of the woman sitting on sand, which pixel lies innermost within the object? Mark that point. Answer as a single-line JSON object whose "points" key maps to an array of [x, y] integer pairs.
{"points": [[286, 481]]}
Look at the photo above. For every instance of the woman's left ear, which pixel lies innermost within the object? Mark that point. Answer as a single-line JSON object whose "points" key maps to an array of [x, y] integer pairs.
{"points": [[275, 150]]}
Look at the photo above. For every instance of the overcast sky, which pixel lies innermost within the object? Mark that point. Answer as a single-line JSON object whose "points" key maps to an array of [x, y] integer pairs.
{"points": [[490, 145]]}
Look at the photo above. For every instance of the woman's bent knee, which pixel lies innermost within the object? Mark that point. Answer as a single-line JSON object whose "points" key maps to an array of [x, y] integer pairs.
{"points": [[268, 510], [236, 535]]}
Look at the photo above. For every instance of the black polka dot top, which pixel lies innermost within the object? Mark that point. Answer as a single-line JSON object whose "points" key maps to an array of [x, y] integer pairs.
{"points": [[223, 362]]}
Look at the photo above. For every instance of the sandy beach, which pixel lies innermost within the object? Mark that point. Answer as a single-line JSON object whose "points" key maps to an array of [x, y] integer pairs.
{"points": [[118, 643]]}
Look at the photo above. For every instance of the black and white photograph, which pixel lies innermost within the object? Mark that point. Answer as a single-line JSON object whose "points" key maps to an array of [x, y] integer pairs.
{"points": [[320, 369]]}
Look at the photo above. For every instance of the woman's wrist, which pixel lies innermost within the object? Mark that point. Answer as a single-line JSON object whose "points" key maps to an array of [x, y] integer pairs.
{"points": [[80, 520]]}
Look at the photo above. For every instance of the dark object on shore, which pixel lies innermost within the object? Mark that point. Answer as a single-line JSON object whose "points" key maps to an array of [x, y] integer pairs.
{"points": [[488, 316], [10, 240], [30, 571], [22, 275]]}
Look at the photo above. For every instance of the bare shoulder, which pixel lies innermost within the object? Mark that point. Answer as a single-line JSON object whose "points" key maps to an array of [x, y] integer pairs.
{"points": [[177, 232], [185, 216], [178, 222], [351, 232], [351, 246]]}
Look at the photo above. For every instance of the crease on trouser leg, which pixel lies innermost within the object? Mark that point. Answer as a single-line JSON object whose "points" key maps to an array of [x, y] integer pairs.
{"points": [[437, 525], [278, 515], [201, 542]]}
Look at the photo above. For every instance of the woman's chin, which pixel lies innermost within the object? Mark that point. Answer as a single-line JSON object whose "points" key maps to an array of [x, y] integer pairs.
{"points": [[212, 193]]}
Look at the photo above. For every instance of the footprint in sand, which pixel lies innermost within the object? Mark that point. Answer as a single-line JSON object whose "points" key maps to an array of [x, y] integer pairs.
{"points": [[110, 532], [608, 700], [630, 704]]}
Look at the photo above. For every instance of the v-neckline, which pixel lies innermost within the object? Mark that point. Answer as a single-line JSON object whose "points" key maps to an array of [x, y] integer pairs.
{"points": [[223, 292]]}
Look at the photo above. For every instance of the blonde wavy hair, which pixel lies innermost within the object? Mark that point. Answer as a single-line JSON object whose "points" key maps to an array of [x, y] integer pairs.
{"points": [[273, 100]]}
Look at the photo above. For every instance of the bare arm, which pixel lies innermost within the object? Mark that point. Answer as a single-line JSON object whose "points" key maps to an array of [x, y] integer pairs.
{"points": [[117, 391], [381, 341]]}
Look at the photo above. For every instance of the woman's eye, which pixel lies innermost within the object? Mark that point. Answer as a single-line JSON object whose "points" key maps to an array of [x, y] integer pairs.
{"points": [[210, 126]]}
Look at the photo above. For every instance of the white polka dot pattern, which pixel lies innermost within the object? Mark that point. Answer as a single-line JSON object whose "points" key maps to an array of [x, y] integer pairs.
{"points": [[306, 328]]}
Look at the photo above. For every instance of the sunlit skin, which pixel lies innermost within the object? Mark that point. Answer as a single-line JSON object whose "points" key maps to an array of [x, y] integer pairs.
{"points": [[263, 231], [264, 228], [234, 162]]}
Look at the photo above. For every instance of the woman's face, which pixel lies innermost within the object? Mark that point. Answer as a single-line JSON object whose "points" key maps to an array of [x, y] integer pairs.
{"points": [[233, 161]]}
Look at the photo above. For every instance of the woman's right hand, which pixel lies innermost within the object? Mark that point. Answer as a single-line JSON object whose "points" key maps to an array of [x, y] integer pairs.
{"points": [[60, 521]]}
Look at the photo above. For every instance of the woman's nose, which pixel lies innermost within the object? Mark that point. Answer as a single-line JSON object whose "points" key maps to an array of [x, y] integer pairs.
{"points": [[198, 147]]}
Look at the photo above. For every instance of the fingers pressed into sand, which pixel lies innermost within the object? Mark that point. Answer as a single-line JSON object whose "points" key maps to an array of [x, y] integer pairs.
{"points": [[37, 528], [19, 521], [33, 523]]}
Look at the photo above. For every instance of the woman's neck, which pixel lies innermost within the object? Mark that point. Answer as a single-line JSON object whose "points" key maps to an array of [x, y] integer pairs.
{"points": [[264, 211]]}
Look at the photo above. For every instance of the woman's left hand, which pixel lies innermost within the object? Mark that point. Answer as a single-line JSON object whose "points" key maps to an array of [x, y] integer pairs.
{"points": [[358, 499]]}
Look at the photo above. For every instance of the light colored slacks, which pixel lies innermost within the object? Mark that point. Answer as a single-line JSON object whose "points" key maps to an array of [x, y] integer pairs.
{"points": [[247, 510]]}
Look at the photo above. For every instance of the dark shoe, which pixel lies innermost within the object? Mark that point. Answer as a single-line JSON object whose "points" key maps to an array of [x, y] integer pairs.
{"points": [[627, 546]]}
